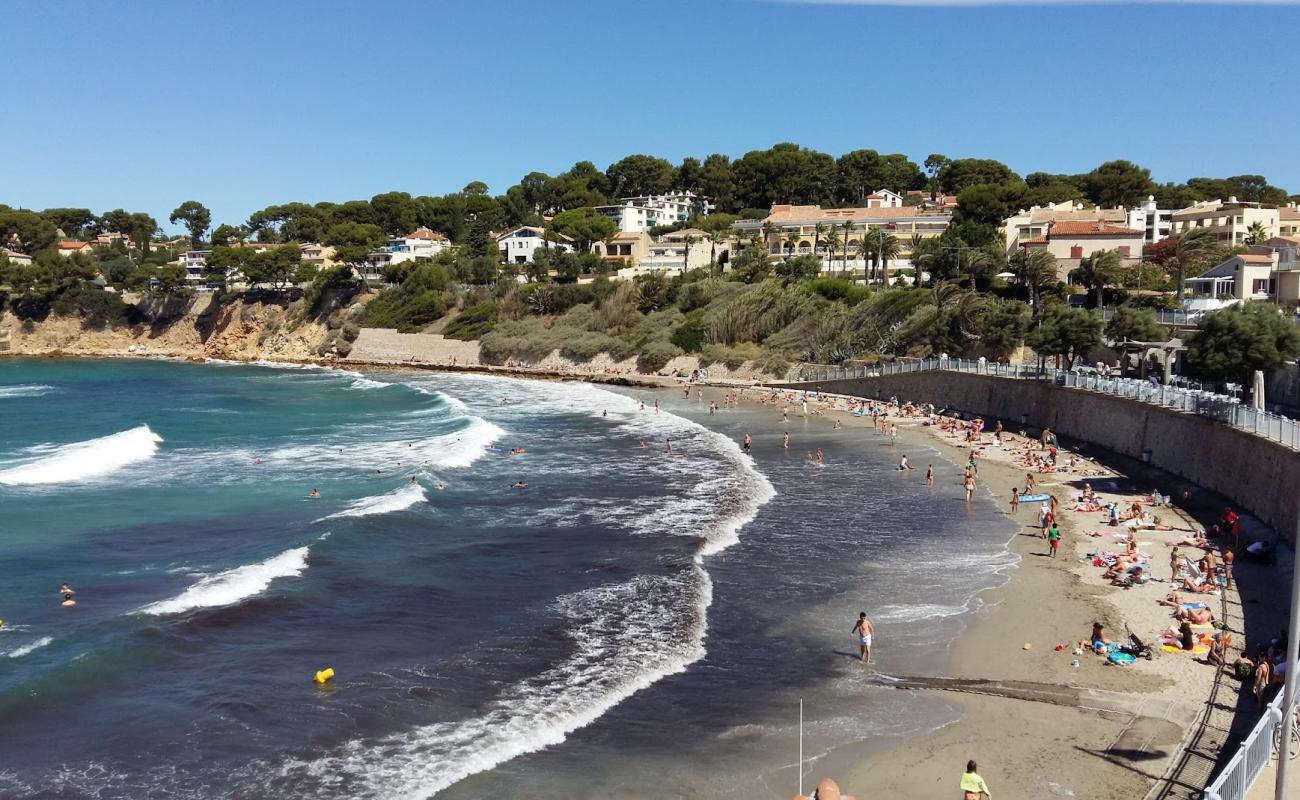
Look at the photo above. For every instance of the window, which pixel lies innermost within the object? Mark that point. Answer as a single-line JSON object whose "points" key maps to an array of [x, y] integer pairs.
{"points": [[1261, 286], [1076, 251]]}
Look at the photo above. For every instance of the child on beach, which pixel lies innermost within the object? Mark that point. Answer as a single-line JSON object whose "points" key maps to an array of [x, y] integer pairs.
{"points": [[1053, 540], [1015, 500]]}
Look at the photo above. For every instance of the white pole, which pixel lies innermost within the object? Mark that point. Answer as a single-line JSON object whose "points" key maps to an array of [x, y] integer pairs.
{"points": [[801, 747], [1288, 689]]}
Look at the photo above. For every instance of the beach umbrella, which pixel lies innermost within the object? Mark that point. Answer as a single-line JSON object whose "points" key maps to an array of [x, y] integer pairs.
{"points": [[1005, 275]]}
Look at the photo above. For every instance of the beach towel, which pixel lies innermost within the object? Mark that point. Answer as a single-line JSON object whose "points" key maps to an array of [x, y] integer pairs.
{"points": [[1120, 659], [1033, 498]]}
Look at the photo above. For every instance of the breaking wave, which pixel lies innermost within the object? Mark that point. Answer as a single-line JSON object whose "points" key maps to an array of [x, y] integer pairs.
{"points": [[81, 460], [19, 652], [396, 500], [234, 585]]}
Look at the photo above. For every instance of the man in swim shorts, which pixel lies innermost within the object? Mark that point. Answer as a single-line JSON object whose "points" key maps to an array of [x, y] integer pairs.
{"points": [[863, 630], [749, 442]]}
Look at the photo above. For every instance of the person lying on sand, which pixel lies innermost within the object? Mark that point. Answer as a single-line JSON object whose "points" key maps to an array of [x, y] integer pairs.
{"points": [[1198, 588], [1196, 616]]}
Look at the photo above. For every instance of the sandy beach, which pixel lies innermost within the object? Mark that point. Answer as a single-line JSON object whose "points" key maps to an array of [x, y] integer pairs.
{"points": [[1050, 728]]}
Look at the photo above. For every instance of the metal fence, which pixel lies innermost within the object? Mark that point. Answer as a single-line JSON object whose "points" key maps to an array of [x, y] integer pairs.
{"points": [[1237, 776], [1219, 407]]}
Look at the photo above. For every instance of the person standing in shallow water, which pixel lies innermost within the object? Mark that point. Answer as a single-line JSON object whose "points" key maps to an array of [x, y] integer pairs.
{"points": [[863, 630]]}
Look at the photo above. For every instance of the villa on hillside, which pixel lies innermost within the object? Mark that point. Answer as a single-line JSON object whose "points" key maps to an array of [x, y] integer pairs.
{"points": [[1032, 224], [1268, 272], [1288, 220], [69, 246], [637, 214], [518, 244], [1071, 242], [420, 243], [790, 230]]}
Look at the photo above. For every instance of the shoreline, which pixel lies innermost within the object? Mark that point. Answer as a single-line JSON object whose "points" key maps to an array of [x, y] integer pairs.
{"points": [[1017, 741], [1030, 736]]}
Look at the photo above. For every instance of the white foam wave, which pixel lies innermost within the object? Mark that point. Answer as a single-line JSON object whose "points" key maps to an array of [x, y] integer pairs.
{"points": [[449, 450], [620, 647], [367, 383], [81, 460], [19, 652], [396, 500], [625, 637], [25, 390], [233, 585]]}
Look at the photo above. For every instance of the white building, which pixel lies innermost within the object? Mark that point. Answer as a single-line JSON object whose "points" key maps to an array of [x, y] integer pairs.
{"points": [[420, 243], [1032, 224], [1155, 223], [883, 198], [517, 245], [636, 214]]}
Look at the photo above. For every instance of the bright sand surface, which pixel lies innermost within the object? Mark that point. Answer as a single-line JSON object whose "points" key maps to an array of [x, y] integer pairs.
{"points": [[1105, 731]]}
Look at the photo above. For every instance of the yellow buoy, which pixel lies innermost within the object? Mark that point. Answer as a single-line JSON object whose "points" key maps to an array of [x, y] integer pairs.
{"points": [[324, 675]]}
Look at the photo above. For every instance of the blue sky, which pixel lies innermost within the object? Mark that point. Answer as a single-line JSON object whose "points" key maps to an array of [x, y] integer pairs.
{"points": [[241, 104]]}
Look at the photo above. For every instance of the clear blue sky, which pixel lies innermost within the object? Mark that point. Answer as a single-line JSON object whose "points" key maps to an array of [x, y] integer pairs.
{"points": [[244, 103]]}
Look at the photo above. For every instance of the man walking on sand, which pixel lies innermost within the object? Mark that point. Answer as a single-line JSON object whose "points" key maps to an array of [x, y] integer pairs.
{"points": [[863, 630]]}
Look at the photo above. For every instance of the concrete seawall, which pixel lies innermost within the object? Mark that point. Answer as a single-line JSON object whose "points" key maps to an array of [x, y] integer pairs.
{"points": [[1262, 476]]}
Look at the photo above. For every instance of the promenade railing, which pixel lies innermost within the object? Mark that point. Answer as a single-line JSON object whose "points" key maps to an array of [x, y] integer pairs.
{"points": [[1239, 774], [1219, 407]]}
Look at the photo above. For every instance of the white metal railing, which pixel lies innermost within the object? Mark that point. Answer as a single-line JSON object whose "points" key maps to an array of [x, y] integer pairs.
{"points": [[1220, 407], [1237, 776]]}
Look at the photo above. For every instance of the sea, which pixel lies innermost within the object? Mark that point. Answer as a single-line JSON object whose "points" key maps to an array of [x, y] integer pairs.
{"points": [[521, 591]]}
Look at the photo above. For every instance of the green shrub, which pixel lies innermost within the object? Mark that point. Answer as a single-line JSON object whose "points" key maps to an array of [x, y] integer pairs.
{"points": [[472, 323], [689, 336], [772, 363], [839, 289], [419, 300], [655, 355]]}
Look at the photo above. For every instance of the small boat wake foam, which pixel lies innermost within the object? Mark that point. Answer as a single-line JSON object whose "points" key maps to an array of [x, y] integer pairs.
{"points": [[234, 585], [396, 500], [93, 458]]}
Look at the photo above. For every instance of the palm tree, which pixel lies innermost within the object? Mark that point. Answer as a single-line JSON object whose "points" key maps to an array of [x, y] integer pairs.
{"points": [[1035, 269], [832, 242], [715, 238], [848, 229], [686, 256], [1192, 249], [1098, 270], [1256, 233], [887, 248], [870, 241], [770, 230], [819, 231], [792, 239]]}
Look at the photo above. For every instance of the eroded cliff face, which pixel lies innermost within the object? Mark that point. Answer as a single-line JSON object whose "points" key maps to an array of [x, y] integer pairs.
{"points": [[196, 327]]}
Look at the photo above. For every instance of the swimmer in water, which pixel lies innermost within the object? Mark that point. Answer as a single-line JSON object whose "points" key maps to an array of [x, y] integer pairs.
{"points": [[749, 443], [520, 485], [413, 481], [821, 459], [439, 486], [67, 593], [643, 444], [314, 493], [669, 440], [902, 464], [929, 475], [785, 440]]}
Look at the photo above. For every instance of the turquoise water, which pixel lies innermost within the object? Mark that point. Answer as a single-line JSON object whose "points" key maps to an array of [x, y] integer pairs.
{"points": [[632, 621]]}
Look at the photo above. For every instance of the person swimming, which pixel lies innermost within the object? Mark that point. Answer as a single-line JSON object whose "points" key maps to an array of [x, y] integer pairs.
{"points": [[903, 465], [439, 486], [520, 485], [314, 493]]}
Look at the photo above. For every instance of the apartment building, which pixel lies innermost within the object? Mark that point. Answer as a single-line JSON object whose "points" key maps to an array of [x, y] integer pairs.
{"points": [[636, 214], [1230, 220], [1155, 223], [517, 245], [1032, 224]]}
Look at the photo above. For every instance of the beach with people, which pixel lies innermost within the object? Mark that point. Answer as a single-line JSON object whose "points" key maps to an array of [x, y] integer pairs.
{"points": [[1133, 560]]}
